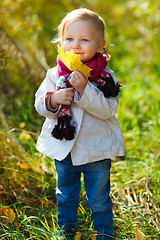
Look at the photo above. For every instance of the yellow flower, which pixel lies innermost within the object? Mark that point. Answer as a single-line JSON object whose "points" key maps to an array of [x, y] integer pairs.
{"points": [[72, 62]]}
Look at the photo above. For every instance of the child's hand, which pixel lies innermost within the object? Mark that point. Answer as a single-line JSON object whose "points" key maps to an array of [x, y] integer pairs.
{"points": [[63, 96], [79, 82]]}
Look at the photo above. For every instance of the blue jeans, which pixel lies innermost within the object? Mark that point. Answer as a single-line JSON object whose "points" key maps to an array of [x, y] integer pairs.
{"points": [[97, 186]]}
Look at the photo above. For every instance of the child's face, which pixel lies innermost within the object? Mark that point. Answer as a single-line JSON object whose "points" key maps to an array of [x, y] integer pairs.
{"points": [[82, 38]]}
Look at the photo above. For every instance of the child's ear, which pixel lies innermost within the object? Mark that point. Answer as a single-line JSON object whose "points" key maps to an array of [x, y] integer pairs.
{"points": [[101, 46]]}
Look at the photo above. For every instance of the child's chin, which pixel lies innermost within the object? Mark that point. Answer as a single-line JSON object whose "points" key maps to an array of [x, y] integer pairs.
{"points": [[86, 62], [83, 60]]}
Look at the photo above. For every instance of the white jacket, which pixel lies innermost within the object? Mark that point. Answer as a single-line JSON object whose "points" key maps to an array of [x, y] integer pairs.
{"points": [[98, 134]]}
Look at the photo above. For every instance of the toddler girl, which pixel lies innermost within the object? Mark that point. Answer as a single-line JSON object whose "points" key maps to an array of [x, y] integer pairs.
{"points": [[97, 137]]}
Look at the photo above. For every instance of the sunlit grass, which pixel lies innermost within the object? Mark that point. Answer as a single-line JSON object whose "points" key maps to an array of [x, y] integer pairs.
{"points": [[28, 179], [31, 193]]}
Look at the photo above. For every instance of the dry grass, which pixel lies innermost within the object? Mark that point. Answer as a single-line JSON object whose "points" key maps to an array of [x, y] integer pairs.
{"points": [[30, 192]]}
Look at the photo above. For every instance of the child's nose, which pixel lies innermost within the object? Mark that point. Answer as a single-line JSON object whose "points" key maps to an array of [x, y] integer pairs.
{"points": [[76, 45]]}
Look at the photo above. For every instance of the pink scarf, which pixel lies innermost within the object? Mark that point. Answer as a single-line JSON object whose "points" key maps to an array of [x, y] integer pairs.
{"points": [[64, 129], [97, 64]]}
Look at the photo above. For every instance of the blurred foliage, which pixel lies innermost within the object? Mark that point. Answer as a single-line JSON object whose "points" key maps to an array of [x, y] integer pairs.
{"points": [[26, 52], [27, 28], [132, 38]]}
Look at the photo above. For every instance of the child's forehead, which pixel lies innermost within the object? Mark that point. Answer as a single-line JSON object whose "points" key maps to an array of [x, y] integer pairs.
{"points": [[87, 24], [73, 22], [79, 26]]}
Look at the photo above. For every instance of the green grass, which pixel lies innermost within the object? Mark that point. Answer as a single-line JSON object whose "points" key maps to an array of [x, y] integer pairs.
{"points": [[135, 179], [30, 191]]}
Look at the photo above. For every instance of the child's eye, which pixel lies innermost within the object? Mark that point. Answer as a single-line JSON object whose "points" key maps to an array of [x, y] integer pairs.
{"points": [[85, 40], [69, 39]]}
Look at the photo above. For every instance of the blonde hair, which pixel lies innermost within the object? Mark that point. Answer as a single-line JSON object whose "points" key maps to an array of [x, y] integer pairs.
{"points": [[82, 14]]}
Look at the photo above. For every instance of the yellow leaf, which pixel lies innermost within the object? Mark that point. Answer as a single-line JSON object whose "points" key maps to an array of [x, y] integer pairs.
{"points": [[139, 234], [72, 62], [78, 236], [38, 164], [24, 137], [16, 224], [24, 165], [7, 215]]}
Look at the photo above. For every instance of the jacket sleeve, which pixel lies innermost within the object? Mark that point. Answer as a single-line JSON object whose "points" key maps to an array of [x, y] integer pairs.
{"points": [[48, 85], [94, 102]]}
